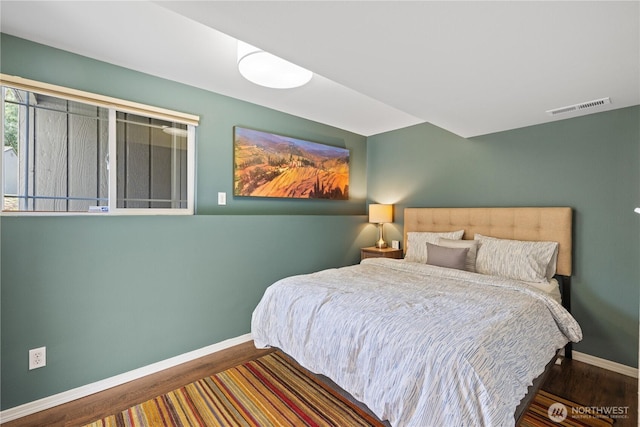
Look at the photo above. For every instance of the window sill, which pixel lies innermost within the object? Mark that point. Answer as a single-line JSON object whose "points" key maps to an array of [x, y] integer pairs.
{"points": [[122, 212]]}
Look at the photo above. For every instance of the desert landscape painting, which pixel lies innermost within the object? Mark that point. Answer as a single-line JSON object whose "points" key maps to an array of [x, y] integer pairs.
{"points": [[270, 165]]}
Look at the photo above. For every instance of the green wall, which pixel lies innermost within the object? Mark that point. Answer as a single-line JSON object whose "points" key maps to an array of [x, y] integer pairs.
{"points": [[589, 163], [107, 295]]}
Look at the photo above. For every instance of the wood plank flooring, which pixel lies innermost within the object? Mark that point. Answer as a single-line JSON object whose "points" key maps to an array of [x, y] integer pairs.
{"points": [[580, 382], [589, 386], [117, 399]]}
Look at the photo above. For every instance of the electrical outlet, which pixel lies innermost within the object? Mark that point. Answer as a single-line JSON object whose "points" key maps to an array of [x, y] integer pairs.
{"points": [[37, 358]]}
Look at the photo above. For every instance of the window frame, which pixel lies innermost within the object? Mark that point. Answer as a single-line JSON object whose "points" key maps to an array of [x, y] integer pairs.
{"points": [[113, 105]]}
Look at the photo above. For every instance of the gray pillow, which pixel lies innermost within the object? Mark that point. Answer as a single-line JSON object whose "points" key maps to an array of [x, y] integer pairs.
{"points": [[446, 257], [471, 255]]}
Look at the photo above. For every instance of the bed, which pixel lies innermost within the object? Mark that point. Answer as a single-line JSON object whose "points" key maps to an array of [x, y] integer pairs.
{"points": [[422, 342]]}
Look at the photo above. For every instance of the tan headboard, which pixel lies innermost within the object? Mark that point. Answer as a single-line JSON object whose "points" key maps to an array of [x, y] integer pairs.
{"points": [[537, 224]]}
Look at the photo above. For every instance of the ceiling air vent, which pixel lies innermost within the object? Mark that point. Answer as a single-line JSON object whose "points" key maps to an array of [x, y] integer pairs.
{"points": [[578, 107]]}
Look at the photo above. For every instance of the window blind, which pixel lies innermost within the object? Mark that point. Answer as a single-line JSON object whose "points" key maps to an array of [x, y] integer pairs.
{"points": [[99, 100]]}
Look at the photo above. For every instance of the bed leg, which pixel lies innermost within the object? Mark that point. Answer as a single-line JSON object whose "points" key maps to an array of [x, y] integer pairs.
{"points": [[567, 351], [565, 289]]}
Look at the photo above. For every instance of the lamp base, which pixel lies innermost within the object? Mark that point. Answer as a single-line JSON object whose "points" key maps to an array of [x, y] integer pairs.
{"points": [[380, 244]]}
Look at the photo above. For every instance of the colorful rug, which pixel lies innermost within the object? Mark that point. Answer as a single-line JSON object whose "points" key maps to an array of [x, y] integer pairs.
{"points": [[548, 410], [269, 391], [272, 391]]}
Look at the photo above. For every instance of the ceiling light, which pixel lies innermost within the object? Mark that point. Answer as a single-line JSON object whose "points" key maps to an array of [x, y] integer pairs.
{"points": [[265, 69]]}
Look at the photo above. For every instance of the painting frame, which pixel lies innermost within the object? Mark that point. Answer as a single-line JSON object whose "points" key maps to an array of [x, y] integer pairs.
{"points": [[271, 165]]}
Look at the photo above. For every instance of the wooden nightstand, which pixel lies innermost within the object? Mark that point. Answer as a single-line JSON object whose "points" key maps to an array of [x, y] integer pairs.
{"points": [[373, 252]]}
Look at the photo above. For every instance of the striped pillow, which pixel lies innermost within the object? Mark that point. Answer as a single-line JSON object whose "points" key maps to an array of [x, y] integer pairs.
{"points": [[515, 259]]}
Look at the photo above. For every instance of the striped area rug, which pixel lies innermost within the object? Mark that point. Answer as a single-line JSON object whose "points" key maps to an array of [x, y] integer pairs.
{"points": [[562, 413], [269, 391]]}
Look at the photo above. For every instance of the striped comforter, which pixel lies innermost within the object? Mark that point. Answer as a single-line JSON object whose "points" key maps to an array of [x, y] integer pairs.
{"points": [[420, 345]]}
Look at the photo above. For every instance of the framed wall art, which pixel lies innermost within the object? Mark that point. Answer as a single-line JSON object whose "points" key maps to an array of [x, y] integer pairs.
{"points": [[270, 165]]}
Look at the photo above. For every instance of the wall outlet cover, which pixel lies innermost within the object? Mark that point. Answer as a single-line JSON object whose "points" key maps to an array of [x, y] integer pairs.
{"points": [[37, 358]]}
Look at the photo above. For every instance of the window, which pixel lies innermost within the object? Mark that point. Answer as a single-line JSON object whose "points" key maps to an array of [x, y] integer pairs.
{"points": [[78, 154]]}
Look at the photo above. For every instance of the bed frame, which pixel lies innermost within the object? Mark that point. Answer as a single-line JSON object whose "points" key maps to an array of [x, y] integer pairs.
{"points": [[531, 223]]}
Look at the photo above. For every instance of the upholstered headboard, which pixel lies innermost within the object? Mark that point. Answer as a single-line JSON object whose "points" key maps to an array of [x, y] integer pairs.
{"points": [[537, 224]]}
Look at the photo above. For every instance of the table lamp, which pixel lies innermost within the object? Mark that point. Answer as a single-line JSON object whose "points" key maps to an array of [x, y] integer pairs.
{"points": [[380, 214]]}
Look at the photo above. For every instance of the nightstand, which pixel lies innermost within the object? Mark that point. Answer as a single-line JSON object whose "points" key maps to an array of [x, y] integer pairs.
{"points": [[373, 252]]}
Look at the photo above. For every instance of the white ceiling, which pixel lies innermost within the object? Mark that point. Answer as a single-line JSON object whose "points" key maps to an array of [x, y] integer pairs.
{"points": [[469, 67]]}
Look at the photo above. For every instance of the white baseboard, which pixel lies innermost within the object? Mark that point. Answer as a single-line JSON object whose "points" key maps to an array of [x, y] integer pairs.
{"points": [[605, 364], [86, 390]]}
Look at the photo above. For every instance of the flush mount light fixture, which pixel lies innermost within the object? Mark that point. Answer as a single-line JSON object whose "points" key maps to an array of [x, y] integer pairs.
{"points": [[265, 69]]}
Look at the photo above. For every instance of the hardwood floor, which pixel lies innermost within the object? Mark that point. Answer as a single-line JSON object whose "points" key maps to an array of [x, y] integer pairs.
{"points": [[580, 382], [117, 399], [595, 387]]}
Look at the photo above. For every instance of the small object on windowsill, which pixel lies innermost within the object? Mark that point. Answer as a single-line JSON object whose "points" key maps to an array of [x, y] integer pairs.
{"points": [[98, 209]]}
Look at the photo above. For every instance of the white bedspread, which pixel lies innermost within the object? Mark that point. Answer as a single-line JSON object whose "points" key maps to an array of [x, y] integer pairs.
{"points": [[420, 345]]}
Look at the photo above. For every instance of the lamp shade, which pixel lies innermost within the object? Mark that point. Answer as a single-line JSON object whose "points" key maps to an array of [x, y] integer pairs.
{"points": [[380, 214], [268, 70]]}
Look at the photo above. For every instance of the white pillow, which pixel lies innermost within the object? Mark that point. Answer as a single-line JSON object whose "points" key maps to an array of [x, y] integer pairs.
{"points": [[470, 264], [417, 243], [515, 259], [551, 268]]}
